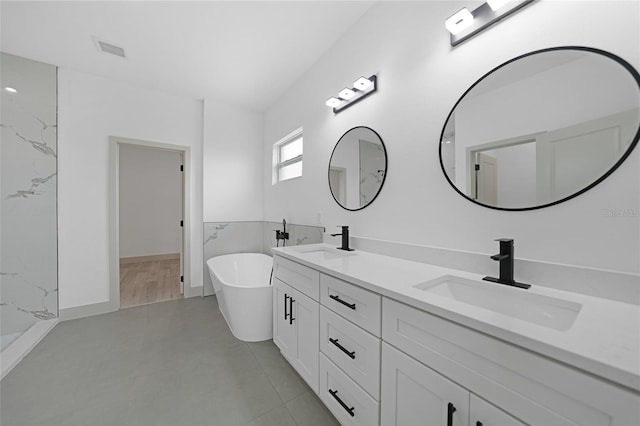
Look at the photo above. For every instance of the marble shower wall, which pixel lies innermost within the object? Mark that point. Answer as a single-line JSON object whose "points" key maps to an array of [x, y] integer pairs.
{"points": [[250, 237], [28, 231], [298, 235]]}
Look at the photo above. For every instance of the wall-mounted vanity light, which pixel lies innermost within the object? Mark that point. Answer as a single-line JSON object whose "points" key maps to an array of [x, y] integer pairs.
{"points": [[362, 88], [464, 24]]}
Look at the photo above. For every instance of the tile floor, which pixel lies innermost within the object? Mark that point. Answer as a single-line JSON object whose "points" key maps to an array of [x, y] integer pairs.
{"points": [[171, 363]]}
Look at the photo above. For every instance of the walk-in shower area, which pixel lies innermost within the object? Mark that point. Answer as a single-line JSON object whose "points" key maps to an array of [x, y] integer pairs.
{"points": [[28, 231]]}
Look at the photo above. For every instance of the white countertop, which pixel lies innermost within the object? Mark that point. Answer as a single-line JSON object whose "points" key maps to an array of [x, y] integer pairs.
{"points": [[604, 340]]}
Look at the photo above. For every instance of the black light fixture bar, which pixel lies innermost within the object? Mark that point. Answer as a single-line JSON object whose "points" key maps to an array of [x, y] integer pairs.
{"points": [[359, 95], [484, 17]]}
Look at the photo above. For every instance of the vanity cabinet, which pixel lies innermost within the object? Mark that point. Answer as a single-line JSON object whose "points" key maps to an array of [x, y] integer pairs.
{"points": [[350, 351], [296, 317], [413, 394], [295, 330], [373, 360], [355, 351], [361, 307], [481, 413], [518, 384]]}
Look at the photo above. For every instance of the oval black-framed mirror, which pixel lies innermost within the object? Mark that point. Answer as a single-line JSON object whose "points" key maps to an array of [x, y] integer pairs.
{"points": [[357, 168], [542, 128]]}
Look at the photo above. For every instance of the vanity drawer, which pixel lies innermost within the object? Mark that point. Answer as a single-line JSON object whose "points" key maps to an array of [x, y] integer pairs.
{"points": [[352, 349], [345, 399], [360, 306], [300, 277]]}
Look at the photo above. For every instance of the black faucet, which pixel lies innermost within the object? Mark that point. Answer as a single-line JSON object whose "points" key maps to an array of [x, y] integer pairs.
{"points": [[505, 257], [282, 235], [345, 238]]}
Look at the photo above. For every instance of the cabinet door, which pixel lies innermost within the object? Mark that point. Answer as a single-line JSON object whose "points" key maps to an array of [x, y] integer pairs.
{"points": [[413, 394], [306, 319], [485, 414], [284, 333]]}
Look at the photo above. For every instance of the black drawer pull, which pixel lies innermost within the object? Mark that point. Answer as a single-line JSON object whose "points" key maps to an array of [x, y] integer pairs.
{"points": [[345, 406], [351, 354], [450, 410], [291, 318], [478, 423], [348, 305], [285, 306]]}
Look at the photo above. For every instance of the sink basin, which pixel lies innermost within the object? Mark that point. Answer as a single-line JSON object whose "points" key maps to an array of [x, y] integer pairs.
{"points": [[546, 311], [326, 253]]}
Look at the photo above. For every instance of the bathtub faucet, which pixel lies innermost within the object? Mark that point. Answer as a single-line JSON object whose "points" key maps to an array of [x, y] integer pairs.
{"points": [[282, 235]]}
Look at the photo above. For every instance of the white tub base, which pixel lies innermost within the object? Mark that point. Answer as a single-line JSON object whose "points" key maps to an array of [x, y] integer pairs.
{"points": [[241, 284]]}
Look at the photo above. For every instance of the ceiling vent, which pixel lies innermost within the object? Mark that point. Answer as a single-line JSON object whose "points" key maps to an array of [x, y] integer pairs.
{"points": [[109, 48]]}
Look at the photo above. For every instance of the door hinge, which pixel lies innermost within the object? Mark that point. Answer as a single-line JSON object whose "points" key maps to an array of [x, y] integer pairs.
{"points": [[181, 223], [181, 168], [181, 278], [477, 166]]}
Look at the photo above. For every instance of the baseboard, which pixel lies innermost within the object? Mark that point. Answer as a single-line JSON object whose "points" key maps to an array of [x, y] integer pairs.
{"points": [[86, 311], [17, 350], [193, 292], [151, 258]]}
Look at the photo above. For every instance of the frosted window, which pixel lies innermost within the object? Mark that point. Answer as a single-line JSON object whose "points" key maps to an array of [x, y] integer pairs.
{"points": [[287, 157], [291, 150], [290, 171]]}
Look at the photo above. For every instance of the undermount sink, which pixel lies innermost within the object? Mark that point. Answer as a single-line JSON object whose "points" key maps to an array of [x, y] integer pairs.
{"points": [[326, 253], [545, 311]]}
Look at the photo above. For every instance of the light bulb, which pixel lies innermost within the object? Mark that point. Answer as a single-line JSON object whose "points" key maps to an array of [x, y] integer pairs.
{"points": [[496, 4], [346, 94], [362, 83], [10, 89], [459, 21], [333, 102]]}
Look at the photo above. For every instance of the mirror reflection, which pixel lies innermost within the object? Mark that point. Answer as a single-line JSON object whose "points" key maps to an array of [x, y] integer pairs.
{"points": [[357, 168], [542, 128]]}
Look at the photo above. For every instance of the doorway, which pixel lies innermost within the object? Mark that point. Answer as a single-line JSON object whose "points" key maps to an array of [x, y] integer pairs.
{"points": [[503, 172], [148, 222]]}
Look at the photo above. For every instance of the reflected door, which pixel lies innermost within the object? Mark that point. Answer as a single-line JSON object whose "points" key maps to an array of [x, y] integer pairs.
{"points": [[486, 172], [572, 158]]}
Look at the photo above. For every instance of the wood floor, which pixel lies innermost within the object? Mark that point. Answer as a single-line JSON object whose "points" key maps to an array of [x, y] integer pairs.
{"points": [[149, 279]]}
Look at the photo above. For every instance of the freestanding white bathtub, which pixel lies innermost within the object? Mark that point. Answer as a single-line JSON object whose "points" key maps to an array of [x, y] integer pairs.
{"points": [[241, 283]]}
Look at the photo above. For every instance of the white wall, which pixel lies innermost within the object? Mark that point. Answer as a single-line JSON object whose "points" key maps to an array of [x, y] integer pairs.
{"points": [[90, 109], [150, 201], [420, 78], [232, 163]]}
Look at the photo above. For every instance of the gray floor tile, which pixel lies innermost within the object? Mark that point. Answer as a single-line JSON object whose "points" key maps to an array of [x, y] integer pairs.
{"points": [[279, 416], [229, 405], [170, 363], [284, 378], [308, 410], [170, 409]]}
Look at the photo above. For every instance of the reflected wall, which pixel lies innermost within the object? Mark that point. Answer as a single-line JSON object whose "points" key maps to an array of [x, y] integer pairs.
{"points": [[28, 181]]}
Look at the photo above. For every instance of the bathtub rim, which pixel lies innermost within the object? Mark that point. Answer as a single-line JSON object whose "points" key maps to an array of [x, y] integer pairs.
{"points": [[210, 262]]}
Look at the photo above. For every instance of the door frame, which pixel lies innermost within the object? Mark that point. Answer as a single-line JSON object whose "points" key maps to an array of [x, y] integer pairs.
{"points": [[114, 212], [472, 150]]}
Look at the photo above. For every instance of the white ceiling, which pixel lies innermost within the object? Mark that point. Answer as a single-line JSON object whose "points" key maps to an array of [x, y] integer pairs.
{"points": [[245, 53]]}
